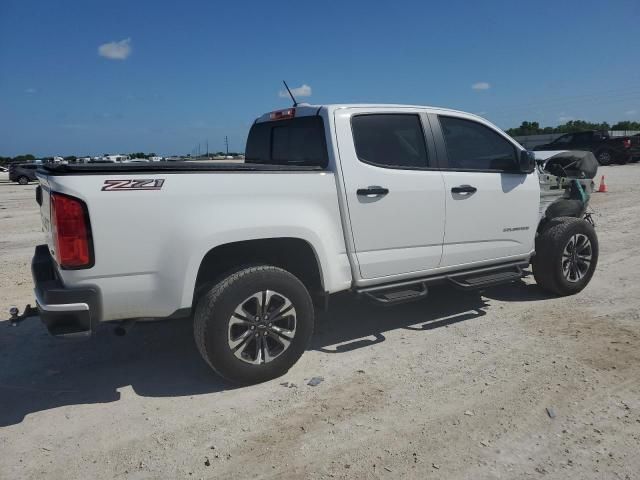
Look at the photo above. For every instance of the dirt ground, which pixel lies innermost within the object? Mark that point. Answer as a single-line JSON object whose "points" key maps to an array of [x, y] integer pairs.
{"points": [[459, 385]]}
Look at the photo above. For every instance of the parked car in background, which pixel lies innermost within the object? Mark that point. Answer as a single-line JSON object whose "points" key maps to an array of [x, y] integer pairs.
{"points": [[607, 149], [4, 174], [23, 173], [635, 147]]}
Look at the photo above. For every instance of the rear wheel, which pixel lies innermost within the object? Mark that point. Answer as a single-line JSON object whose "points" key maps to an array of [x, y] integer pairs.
{"points": [[622, 159], [254, 325], [566, 256], [22, 180]]}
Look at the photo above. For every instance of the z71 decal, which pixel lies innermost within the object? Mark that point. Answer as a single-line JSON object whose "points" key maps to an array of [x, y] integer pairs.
{"points": [[126, 185]]}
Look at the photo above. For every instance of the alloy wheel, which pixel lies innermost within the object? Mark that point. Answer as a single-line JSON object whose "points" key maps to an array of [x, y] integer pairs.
{"points": [[604, 158], [576, 257], [262, 327]]}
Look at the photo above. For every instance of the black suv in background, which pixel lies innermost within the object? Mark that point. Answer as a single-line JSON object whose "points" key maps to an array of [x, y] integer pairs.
{"points": [[23, 173], [635, 147], [606, 149]]}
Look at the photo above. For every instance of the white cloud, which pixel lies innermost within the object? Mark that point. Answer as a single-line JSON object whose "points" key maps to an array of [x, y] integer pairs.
{"points": [[115, 50], [481, 86], [302, 91], [630, 113], [565, 118], [31, 91]]}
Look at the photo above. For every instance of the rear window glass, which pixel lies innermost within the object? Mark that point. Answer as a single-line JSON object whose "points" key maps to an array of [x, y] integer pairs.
{"points": [[298, 141]]}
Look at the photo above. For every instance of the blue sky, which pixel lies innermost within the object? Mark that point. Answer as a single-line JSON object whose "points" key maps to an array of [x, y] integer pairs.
{"points": [[173, 74]]}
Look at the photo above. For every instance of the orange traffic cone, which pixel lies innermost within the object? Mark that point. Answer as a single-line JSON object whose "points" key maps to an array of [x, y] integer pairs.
{"points": [[603, 186]]}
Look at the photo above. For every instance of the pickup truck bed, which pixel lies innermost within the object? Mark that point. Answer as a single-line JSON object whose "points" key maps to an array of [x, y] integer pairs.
{"points": [[148, 220]]}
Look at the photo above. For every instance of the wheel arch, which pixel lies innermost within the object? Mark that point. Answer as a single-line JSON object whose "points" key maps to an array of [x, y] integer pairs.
{"points": [[295, 255]]}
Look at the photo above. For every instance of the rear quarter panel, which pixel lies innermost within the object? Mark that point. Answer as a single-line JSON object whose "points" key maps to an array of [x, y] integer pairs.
{"points": [[149, 244]]}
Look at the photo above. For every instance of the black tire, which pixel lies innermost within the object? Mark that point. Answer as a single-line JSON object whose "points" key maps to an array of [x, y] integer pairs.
{"points": [[215, 312], [22, 180], [622, 159], [605, 157], [550, 259]]}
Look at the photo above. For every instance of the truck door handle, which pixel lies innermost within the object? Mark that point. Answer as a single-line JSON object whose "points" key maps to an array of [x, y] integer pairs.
{"points": [[464, 189], [373, 191]]}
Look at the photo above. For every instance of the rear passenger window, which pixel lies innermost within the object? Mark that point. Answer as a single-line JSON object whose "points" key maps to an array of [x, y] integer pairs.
{"points": [[472, 146], [390, 140]]}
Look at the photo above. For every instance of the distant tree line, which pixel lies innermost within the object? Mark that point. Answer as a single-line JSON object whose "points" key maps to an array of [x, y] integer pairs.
{"points": [[534, 128]]}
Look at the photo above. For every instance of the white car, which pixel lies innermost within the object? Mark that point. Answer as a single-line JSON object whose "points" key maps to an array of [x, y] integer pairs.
{"points": [[379, 200], [4, 174]]}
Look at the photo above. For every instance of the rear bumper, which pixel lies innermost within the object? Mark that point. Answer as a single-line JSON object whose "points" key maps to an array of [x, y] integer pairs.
{"points": [[64, 311]]}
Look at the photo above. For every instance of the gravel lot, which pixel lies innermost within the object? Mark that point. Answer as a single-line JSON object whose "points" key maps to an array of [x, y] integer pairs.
{"points": [[454, 386]]}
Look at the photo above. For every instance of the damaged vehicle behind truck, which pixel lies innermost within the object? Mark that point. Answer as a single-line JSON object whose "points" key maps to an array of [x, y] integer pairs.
{"points": [[380, 200]]}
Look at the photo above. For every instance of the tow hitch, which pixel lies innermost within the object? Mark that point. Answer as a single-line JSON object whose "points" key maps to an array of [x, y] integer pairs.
{"points": [[16, 317]]}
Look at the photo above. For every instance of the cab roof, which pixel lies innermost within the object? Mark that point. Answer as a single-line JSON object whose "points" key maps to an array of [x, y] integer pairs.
{"points": [[306, 109]]}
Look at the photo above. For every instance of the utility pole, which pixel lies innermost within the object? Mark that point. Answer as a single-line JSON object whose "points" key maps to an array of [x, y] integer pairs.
{"points": [[207, 149], [226, 143]]}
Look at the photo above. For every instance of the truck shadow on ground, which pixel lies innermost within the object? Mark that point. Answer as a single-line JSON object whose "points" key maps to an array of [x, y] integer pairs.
{"points": [[353, 323], [39, 372]]}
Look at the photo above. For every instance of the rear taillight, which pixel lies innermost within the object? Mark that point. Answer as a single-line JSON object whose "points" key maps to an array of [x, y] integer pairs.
{"points": [[71, 232], [627, 143]]}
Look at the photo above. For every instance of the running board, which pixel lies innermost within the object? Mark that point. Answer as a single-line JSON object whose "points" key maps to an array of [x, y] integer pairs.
{"points": [[398, 295], [470, 279], [474, 281]]}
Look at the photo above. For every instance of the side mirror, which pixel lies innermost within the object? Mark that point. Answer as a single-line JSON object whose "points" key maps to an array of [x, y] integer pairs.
{"points": [[527, 162]]}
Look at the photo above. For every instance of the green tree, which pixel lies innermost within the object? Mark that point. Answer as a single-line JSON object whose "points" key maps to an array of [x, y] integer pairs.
{"points": [[24, 158], [526, 128], [626, 125]]}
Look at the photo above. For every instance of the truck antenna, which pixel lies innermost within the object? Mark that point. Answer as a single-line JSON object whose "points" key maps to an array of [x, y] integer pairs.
{"points": [[295, 104]]}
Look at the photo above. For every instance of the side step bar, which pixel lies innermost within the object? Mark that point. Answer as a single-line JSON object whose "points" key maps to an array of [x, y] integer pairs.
{"points": [[408, 290], [484, 280], [395, 296]]}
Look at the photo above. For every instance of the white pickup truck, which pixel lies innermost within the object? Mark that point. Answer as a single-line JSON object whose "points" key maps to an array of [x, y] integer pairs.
{"points": [[380, 200]]}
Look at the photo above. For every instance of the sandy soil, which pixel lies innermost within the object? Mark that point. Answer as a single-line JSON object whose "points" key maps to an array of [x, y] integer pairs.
{"points": [[454, 386]]}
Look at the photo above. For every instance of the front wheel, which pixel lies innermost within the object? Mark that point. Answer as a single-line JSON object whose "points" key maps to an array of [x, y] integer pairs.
{"points": [[566, 256], [605, 157], [22, 180], [254, 325]]}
